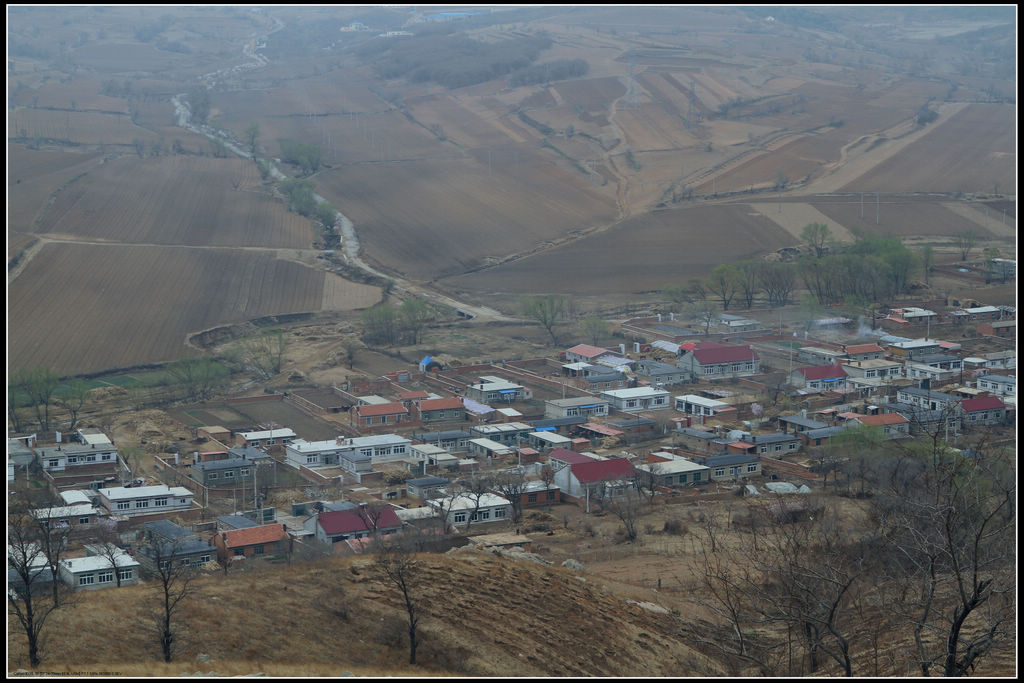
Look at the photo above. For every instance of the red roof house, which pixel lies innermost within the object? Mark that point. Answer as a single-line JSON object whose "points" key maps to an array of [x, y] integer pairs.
{"points": [[361, 522], [595, 479], [442, 409], [709, 360], [379, 414], [983, 411], [819, 377], [252, 541]]}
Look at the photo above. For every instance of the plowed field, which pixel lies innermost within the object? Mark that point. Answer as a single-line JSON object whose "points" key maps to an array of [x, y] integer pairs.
{"points": [[136, 305]]}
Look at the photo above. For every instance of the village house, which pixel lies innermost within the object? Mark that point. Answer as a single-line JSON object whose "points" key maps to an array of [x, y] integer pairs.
{"points": [[465, 508], [692, 404], [548, 440], [360, 522], [1004, 329], [885, 370], [817, 355], [584, 353], [1000, 385], [536, 493], [668, 469], [733, 466], [988, 410], [892, 425], [820, 378], [95, 572], [442, 410], [914, 315], [637, 399], [80, 514], [425, 487], [925, 420], [434, 456], [800, 424], [145, 500], [488, 449], [66, 456], [862, 352], [698, 440], [913, 349], [559, 425], [925, 398], [822, 435], [257, 541], [715, 361], [595, 480], [383, 414], [490, 389], [452, 440], [659, 374], [224, 473], [976, 314], [586, 406], [604, 378], [168, 542], [507, 433], [265, 438], [773, 445]]}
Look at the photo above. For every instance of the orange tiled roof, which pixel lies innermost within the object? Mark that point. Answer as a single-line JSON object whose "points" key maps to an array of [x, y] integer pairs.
{"points": [[254, 535], [382, 409]]}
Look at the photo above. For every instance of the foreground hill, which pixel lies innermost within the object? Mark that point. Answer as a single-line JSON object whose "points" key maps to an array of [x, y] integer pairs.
{"points": [[483, 615]]}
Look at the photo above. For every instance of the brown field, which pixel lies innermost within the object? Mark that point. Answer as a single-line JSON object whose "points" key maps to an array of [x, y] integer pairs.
{"points": [[138, 304], [175, 200], [898, 216], [454, 215], [637, 255], [969, 152], [32, 175], [81, 127], [594, 94], [85, 94]]}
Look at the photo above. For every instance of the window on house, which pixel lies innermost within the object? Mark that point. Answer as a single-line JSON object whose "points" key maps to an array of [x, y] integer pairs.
{"points": [[83, 520], [142, 503], [54, 463], [86, 580], [719, 471], [531, 498], [550, 495], [239, 551], [710, 370], [126, 574], [106, 457], [90, 458], [123, 506], [160, 502], [258, 550], [792, 446], [460, 517], [105, 577], [72, 459], [499, 513], [203, 559], [696, 476], [778, 447], [229, 475], [752, 467], [243, 472], [211, 476]]}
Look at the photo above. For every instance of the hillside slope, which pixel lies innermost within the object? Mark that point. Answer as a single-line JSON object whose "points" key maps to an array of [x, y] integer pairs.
{"points": [[483, 615]]}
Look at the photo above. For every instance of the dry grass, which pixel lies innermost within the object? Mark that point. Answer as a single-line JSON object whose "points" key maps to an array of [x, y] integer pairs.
{"points": [[482, 615]]}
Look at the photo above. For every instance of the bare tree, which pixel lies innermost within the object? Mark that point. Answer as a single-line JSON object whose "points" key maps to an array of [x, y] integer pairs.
{"points": [[172, 584], [28, 598], [953, 522], [107, 545], [400, 568], [627, 507], [965, 242], [546, 310], [511, 484]]}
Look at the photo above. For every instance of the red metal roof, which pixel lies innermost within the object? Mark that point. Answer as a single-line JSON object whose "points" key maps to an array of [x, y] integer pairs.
{"points": [[723, 354], [586, 350], [351, 521], [983, 403], [256, 535], [441, 404], [410, 395], [382, 409], [823, 372], [571, 457], [601, 429], [602, 470]]}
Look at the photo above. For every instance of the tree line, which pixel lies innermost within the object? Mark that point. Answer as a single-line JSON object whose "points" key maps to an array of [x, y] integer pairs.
{"points": [[453, 61]]}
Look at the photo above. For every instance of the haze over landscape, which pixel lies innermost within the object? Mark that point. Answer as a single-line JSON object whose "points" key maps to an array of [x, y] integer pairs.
{"points": [[214, 202]]}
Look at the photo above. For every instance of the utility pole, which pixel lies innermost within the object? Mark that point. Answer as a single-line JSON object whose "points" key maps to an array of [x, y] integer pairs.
{"points": [[878, 207]]}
